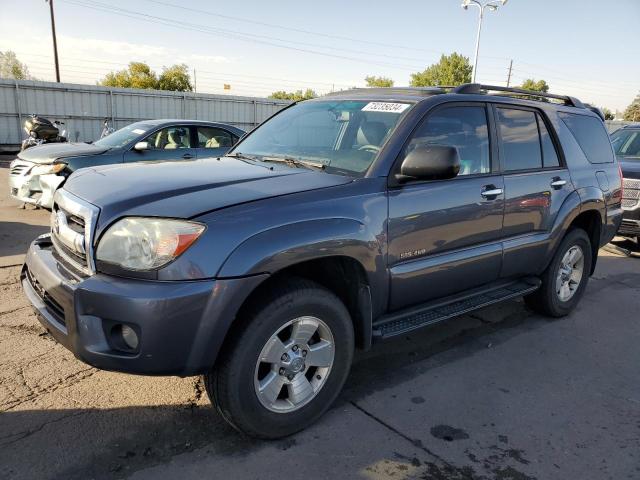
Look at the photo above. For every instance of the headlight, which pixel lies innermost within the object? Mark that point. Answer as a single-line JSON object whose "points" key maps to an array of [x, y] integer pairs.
{"points": [[137, 243], [48, 169]]}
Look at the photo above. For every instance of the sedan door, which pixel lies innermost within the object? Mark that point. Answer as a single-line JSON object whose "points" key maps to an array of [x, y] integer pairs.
{"points": [[445, 235], [214, 141], [168, 143]]}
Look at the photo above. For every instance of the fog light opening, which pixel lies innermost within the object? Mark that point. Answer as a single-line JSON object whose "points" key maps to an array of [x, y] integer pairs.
{"points": [[124, 338]]}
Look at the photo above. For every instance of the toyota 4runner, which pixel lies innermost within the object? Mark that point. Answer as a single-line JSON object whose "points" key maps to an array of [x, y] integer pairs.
{"points": [[339, 222]]}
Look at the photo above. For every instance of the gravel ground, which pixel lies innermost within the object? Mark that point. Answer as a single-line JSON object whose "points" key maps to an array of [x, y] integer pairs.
{"points": [[499, 394]]}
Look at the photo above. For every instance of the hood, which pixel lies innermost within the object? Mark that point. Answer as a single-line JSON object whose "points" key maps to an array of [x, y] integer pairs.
{"points": [[49, 152], [630, 168], [186, 189]]}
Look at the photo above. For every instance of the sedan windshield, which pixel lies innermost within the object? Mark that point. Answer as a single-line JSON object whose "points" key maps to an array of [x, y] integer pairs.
{"points": [[344, 136], [124, 136], [626, 142]]}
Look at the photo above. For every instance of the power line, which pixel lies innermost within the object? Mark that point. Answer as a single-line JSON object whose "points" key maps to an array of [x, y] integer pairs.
{"points": [[231, 33], [292, 29]]}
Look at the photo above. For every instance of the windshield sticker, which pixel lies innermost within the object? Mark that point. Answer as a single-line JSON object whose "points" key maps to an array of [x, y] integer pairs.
{"points": [[385, 107], [138, 131]]}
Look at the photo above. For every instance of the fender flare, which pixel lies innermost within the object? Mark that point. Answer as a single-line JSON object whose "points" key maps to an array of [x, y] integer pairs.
{"points": [[579, 201], [279, 247]]}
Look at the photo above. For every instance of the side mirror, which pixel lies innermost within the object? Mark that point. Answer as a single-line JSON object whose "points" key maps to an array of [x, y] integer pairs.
{"points": [[141, 146], [430, 162]]}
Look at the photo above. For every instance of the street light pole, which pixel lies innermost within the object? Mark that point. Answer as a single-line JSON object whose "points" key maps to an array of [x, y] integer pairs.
{"points": [[55, 42], [493, 6]]}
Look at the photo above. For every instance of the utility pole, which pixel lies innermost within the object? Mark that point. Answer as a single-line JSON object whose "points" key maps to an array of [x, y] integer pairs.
{"points": [[195, 83], [509, 76], [55, 43]]}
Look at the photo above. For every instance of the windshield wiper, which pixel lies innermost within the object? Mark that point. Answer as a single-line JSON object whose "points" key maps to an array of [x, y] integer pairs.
{"points": [[294, 162], [241, 156]]}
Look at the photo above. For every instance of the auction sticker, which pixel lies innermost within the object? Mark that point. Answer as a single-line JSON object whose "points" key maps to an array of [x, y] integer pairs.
{"points": [[385, 107]]}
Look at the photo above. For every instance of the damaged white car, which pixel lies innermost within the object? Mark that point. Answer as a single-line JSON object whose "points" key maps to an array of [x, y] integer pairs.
{"points": [[39, 171]]}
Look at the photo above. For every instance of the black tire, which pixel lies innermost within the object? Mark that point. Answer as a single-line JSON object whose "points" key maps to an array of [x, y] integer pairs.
{"points": [[545, 300], [230, 385]]}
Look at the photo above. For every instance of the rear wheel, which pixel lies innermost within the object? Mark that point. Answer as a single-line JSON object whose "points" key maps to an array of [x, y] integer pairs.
{"points": [[566, 277], [287, 361]]}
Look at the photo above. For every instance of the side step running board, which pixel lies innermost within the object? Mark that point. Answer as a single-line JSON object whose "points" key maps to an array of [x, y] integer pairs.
{"points": [[401, 322]]}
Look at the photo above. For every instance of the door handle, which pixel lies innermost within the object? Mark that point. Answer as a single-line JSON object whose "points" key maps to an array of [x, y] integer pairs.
{"points": [[558, 183], [491, 192], [187, 156]]}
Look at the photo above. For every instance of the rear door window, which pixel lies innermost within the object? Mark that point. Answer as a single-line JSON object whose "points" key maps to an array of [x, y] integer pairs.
{"points": [[549, 153], [212, 137], [520, 140], [591, 135]]}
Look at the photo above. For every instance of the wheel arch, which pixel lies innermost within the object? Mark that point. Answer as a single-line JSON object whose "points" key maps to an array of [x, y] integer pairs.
{"points": [[344, 276]]}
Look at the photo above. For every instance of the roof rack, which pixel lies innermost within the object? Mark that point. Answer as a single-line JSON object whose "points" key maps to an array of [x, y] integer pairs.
{"points": [[477, 88]]}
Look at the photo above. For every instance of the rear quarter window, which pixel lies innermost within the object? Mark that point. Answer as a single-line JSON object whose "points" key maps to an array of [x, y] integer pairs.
{"points": [[591, 135]]}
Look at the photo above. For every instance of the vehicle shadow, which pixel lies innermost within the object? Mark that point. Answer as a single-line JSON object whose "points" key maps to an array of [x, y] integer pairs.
{"points": [[15, 237]]}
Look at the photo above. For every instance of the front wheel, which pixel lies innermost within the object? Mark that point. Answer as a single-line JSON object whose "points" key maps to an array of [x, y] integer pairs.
{"points": [[566, 277], [286, 361]]}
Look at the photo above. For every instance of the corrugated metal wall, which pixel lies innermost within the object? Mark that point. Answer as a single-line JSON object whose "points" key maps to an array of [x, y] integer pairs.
{"points": [[84, 107]]}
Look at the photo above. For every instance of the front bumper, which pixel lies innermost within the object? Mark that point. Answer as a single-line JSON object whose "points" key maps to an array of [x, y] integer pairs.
{"points": [[180, 325], [32, 189]]}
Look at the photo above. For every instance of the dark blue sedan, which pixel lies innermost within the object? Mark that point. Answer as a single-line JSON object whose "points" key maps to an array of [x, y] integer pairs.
{"points": [[39, 171]]}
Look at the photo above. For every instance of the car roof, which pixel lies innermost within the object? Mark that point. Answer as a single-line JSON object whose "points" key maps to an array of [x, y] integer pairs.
{"points": [[157, 122], [467, 91]]}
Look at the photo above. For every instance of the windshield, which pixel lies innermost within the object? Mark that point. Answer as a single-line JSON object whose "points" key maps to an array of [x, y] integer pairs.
{"points": [[343, 135], [626, 143], [125, 135]]}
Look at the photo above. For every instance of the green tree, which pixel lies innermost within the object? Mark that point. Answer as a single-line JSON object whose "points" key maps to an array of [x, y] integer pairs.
{"points": [[632, 112], [536, 86], [373, 81], [453, 69], [608, 114], [11, 67], [137, 75], [175, 78], [296, 96]]}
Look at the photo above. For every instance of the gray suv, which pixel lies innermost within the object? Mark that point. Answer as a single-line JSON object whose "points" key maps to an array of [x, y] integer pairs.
{"points": [[338, 223]]}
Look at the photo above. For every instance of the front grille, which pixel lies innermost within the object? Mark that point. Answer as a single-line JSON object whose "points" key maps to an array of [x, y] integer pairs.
{"points": [[65, 253], [631, 193], [18, 170], [19, 167], [53, 307], [632, 183], [72, 223]]}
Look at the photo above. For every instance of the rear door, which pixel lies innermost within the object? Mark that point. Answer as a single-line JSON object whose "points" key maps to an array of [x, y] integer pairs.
{"points": [[445, 235], [213, 141], [536, 183]]}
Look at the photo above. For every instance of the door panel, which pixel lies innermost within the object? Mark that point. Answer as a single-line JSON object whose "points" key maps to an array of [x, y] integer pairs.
{"points": [[448, 219], [444, 236], [533, 194]]}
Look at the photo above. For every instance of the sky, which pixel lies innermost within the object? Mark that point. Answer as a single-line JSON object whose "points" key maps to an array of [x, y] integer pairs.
{"points": [[584, 48]]}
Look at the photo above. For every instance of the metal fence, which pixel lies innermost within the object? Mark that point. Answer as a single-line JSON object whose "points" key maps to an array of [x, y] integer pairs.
{"points": [[83, 108]]}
